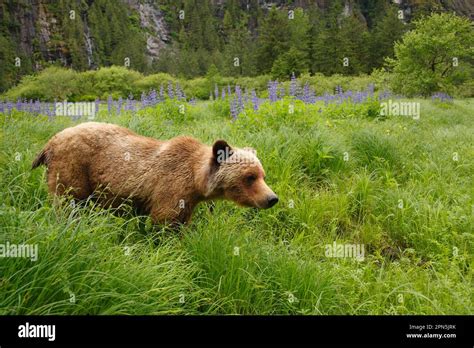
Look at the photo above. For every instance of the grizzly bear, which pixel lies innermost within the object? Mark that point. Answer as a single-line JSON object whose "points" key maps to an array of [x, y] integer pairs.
{"points": [[165, 179]]}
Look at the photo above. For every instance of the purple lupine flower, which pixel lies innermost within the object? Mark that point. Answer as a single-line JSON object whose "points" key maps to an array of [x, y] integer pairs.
{"points": [[442, 97], [216, 91], [152, 96], [119, 105], [229, 92], [126, 104], [192, 101], [170, 90], [49, 112], [179, 92], [306, 97], [47, 108], [97, 104], [37, 107], [272, 91], [281, 92], [129, 103], [356, 98], [9, 107], [2, 107], [327, 98], [223, 93], [162, 94], [293, 85], [238, 95], [110, 102], [255, 100]]}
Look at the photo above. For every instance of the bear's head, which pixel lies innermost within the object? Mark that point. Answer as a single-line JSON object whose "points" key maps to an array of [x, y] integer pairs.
{"points": [[238, 175]]}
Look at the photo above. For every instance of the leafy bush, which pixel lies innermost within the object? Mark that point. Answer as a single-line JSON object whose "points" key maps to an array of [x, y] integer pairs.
{"points": [[435, 56], [154, 81], [52, 83], [221, 107], [115, 79], [199, 88]]}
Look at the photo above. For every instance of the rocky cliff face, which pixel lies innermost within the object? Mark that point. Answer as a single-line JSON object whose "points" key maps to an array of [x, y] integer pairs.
{"points": [[32, 29], [37, 28], [153, 23]]}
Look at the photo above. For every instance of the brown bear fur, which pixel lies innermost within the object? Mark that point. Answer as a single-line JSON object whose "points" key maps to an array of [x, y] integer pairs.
{"points": [[165, 179]]}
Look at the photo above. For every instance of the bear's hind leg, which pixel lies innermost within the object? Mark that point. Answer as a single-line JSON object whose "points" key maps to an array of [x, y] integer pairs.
{"points": [[71, 182]]}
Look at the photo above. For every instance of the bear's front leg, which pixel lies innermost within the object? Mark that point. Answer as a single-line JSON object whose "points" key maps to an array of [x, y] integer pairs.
{"points": [[173, 214]]}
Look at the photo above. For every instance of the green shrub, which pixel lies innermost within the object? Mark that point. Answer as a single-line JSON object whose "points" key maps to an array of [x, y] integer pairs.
{"points": [[199, 88], [221, 107], [116, 80], [154, 81], [425, 61], [51, 83]]}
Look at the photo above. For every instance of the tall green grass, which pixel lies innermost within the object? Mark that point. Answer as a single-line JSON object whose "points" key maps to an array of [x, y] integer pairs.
{"points": [[390, 184]]}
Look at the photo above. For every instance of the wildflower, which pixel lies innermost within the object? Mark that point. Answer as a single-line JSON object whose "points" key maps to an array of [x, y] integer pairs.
{"points": [[170, 90], [109, 104], [272, 91], [162, 93], [293, 85], [255, 100]]}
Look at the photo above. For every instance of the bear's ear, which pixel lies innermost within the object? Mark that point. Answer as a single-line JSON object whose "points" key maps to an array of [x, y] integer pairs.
{"points": [[221, 151]]}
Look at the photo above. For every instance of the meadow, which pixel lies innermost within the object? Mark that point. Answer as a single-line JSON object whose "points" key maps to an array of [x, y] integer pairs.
{"points": [[402, 188]]}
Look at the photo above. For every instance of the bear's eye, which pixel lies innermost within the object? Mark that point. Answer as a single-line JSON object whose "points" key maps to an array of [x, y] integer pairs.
{"points": [[250, 179]]}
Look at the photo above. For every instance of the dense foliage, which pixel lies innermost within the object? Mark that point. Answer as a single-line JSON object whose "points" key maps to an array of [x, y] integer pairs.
{"points": [[59, 83], [238, 38], [436, 56]]}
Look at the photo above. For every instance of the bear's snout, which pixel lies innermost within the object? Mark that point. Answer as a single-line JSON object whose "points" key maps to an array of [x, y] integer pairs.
{"points": [[272, 200]]}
